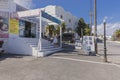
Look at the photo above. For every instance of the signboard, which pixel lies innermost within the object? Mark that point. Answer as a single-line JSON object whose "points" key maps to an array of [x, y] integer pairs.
{"points": [[88, 43], [14, 24], [4, 24], [51, 18], [4, 4]]}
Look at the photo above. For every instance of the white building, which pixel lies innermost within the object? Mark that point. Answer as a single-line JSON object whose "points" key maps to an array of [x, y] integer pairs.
{"points": [[11, 6], [57, 11], [24, 28]]}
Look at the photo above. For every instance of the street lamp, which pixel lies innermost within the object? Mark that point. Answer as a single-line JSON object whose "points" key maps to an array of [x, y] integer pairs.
{"points": [[105, 50]]}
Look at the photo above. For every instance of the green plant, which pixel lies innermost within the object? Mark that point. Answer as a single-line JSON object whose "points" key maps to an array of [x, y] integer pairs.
{"points": [[82, 28]]}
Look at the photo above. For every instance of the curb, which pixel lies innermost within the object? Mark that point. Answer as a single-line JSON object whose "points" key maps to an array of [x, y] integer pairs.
{"points": [[114, 41]]}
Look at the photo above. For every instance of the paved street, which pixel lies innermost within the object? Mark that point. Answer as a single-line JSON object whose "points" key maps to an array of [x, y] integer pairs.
{"points": [[67, 65], [113, 51]]}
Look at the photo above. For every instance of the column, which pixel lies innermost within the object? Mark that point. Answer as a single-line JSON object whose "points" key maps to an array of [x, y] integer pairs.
{"points": [[40, 36], [60, 36]]}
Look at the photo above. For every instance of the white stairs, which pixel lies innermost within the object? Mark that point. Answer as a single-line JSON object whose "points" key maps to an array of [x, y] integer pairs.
{"points": [[47, 47]]}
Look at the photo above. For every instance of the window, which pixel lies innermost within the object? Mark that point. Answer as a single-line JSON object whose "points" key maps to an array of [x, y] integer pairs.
{"points": [[69, 20], [61, 16]]}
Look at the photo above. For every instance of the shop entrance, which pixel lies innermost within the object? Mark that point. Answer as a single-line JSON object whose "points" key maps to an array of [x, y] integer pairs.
{"points": [[27, 29]]}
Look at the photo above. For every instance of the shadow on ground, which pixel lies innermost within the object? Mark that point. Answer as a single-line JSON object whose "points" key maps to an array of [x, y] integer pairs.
{"points": [[69, 50], [6, 55]]}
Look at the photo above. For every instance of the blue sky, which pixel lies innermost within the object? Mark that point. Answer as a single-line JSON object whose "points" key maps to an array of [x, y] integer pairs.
{"points": [[80, 8]]}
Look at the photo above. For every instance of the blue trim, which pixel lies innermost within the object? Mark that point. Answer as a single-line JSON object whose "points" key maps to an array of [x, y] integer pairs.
{"points": [[51, 18]]}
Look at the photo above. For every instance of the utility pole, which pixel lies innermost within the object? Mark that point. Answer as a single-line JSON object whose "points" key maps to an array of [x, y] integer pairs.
{"points": [[91, 14], [95, 25], [105, 49]]}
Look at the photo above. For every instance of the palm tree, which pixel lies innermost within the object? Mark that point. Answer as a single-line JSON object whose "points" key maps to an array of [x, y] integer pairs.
{"points": [[50, 30], [57, 31], [63, 25]]}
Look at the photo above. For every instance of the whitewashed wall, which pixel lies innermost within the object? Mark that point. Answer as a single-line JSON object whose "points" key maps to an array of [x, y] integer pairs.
{"points": [[7, 5], [57, 11]]}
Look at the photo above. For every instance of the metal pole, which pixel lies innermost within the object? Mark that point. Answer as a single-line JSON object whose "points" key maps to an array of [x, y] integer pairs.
{"points": [[95, 25], [105, 51]]}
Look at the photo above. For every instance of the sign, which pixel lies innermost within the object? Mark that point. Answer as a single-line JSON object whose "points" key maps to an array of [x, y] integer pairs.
{"points": [[78, 44], [88, 43], [4, 24], [14, 26], [51, 18]]}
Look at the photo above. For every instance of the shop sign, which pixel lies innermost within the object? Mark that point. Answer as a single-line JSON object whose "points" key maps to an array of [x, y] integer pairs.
{"points": [[49, 17], [14, 24], [4, 24]]}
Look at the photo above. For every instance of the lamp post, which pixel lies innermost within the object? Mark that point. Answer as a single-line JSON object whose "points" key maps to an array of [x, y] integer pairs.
{"points": [[105, 50]]}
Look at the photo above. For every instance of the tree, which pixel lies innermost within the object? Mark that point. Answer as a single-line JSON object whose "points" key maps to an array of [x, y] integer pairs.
{"points": [[116, 35], [57, 31], [117, 32], [63, 25], [82, 28], [87, 31], [50, 29]]}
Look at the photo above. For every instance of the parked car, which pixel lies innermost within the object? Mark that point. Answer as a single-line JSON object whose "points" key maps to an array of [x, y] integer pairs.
{"points": [[68, 37]]}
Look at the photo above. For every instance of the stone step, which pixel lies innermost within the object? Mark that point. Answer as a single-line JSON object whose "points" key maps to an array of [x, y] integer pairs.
{"points": [[46, 53], [50, 49]]}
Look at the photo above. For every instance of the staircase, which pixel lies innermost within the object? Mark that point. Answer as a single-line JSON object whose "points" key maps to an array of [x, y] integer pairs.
{"points": [[47, 47]]}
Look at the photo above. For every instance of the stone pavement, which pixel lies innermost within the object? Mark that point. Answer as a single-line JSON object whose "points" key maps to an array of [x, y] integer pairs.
{"points": [[77, 54], [69, 64]]}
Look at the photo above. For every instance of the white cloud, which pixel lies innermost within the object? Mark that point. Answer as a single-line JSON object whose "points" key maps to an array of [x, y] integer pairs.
{"points": [[110, 28]]}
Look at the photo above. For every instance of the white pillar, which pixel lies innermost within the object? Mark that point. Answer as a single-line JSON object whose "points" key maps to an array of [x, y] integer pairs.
{"points": [[37, 32], [60, 36], [40, 36]]}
